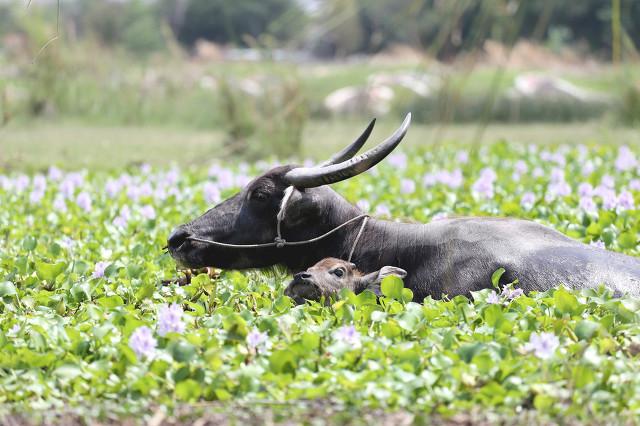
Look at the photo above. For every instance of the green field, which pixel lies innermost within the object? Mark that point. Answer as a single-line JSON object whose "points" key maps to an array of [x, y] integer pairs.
{"points": [[73, 146]]}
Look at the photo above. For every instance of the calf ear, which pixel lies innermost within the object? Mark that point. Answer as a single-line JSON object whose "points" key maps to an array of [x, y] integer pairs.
{"points": [[372, 281]]}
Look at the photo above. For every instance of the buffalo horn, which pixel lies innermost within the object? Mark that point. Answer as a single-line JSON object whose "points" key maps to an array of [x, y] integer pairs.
{"points": [[309, 177], [352, 149]]}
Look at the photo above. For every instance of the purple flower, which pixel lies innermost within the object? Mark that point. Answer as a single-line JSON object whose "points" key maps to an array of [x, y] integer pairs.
{"points": [[145, 168], [242, 180], [438, 216], [493, 298], [398, 160], [59, 204], [258, 341], [98, 269], [452, 179], [608, 181], [609, 200], [634, 184], [483, 187], [588, 168], [382, 210], [112, 187], [21, 183], [171, 177], [528, 200], [585, 189], [211, 193], [558, 158], [462, 157], [349, 335], [538, 172], [626, 159], [520, 167], [224, 178], [123, 218], [488, 174], [543, 345], [557, 175], [625, 201], [363, 205], [120, 222], [84, 201], [588, 205], [54, 174], [560, 189], [39, 183], [429, 179], [170, 319], [598, 244], [142, 342], [512, 293], [36, 196], [407, 186], [148, 212]]}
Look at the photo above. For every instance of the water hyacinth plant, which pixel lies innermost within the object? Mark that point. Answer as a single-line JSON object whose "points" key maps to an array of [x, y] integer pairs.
{"points": [[93, 316]]}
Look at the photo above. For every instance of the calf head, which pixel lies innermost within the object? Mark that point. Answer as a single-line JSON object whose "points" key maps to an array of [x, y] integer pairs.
{"points": [[327, 277], [249, 217]]}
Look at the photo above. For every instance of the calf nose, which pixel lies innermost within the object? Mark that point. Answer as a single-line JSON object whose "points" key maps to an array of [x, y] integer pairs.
{"points": [[302, 276], [178, 237]]}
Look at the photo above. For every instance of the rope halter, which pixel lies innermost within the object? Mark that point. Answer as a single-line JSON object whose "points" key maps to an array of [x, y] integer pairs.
{"points": [[280, 242]]}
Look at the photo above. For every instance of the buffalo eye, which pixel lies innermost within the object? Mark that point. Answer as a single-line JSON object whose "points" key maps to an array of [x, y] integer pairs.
{"points": [[259, 195], [338, 272]]}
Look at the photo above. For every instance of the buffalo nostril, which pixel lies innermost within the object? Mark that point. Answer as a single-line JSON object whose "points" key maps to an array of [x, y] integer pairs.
{"points": [[178, 237]]}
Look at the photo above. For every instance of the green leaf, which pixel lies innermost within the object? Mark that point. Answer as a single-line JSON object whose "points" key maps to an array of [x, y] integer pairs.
{"points": [[29, 243], [467, 351], [566, 303], [283, 362], [68, 371], [495, 277], [188, 390], [110, 301], [182, 351], [493, 315], [145, 291], [49, 271], [627, 240], [585, 329], [392, 286], [7, 289]]}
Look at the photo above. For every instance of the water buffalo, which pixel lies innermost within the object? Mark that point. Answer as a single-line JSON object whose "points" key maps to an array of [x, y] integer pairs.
{"points": [[290, 216], [327, 277]]}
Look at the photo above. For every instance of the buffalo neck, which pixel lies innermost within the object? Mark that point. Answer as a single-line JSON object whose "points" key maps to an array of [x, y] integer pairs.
{"points": [[381, 243]]}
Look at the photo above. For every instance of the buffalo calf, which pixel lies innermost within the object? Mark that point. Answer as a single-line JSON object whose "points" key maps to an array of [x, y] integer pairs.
{"points": [[330, 275]]}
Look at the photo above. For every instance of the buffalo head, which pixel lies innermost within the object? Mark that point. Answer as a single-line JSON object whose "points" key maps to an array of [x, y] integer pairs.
{"points": [[327, 277], [249, 217]]}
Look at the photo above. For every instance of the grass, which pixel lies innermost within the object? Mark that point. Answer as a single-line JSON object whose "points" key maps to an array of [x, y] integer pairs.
{"points": [[72, 145]]}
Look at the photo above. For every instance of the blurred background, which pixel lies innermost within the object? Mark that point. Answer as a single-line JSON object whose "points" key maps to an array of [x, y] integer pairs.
{"points": [[108, 83]]}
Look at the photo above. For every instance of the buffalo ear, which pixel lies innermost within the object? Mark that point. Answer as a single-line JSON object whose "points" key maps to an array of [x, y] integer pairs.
{"points": [[372, 280]]}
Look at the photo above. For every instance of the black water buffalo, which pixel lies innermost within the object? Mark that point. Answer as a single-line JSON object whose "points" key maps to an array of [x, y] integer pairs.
{"points": [[290, 216]]}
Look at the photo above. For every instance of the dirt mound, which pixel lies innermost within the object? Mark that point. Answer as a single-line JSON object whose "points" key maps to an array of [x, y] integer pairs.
{"points": [[528, 55]]}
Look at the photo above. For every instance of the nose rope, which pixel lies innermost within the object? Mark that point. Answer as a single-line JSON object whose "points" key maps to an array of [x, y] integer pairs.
{"points": [[355, 243], [280, 242]]}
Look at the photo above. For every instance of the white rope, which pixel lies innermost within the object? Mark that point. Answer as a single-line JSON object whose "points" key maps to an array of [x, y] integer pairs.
{"points": [[355, 243]]}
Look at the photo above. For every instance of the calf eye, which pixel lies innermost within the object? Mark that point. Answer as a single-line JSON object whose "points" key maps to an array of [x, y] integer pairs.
{"points": [[338, 272]]}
